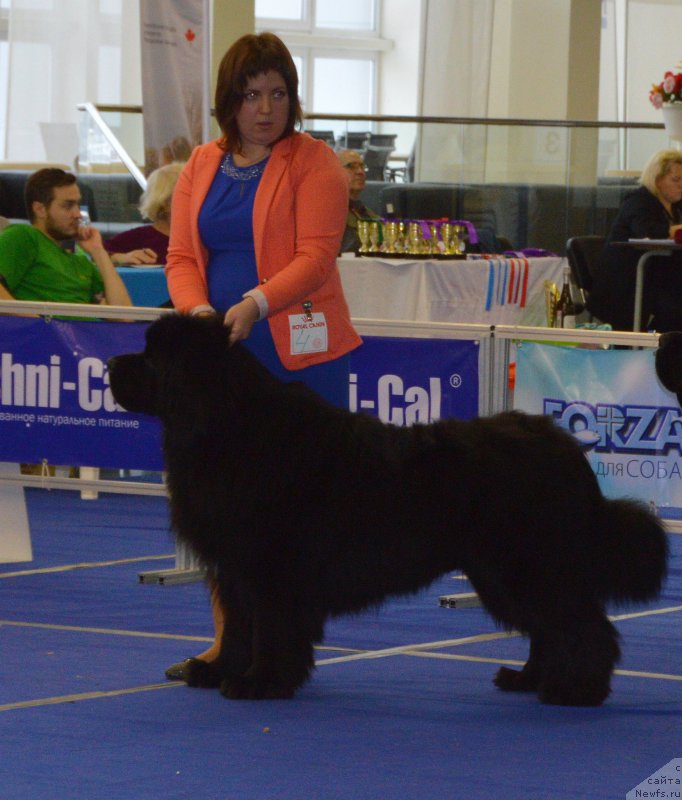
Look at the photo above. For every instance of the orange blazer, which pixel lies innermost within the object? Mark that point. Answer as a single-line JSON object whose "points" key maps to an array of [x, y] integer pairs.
{"points": [[299, 217]]}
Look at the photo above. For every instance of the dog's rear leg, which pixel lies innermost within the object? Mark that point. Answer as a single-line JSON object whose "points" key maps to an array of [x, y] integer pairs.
{"points": [[526, 679], [578, 660], [282, 657]]}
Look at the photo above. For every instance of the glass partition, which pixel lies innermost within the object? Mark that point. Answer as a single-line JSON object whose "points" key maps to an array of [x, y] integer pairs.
{"points": [[110, 139], [532, 183]]}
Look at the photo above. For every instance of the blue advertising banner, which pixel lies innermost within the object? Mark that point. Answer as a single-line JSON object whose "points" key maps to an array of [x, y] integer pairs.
{"points": [[612, 402], [55, 401], [403, 381]]}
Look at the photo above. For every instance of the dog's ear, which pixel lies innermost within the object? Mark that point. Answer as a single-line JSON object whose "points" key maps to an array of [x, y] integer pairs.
{"points": [[188, 358], [669, 362], [132, 383]]}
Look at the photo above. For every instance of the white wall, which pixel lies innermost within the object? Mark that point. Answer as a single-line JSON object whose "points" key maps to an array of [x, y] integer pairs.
{"points": [[654, 40]]}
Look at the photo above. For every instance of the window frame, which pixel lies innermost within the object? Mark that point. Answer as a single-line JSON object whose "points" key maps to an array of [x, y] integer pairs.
{"points": [[308, 42]]}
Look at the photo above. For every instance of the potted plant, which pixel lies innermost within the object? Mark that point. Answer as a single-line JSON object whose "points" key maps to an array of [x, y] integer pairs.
{"points": [[667, 95]]}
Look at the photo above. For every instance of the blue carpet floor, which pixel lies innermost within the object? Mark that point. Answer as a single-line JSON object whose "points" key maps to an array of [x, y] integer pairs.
{"points": [[86, 714]]}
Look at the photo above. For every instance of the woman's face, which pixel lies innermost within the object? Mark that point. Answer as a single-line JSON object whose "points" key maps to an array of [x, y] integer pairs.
{"points": [[264, 112], [670, 185]]}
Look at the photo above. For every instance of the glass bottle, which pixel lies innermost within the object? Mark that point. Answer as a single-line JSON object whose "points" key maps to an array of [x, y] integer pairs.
{"points": [[565, 308]]}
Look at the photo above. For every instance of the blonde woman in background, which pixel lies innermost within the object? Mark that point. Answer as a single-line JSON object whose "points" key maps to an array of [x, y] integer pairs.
{"points": [[148, 244], [654, 211]]}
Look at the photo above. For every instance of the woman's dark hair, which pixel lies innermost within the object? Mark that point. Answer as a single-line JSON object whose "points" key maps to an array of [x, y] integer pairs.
{"points": [[250, 56], [41, 185]]}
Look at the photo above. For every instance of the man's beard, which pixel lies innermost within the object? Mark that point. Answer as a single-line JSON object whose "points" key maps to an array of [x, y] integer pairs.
{"points": [[60, 234]]}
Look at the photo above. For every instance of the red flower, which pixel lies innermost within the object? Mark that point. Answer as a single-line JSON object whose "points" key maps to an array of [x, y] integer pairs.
{"points": [[190, 35], [668, 91]]}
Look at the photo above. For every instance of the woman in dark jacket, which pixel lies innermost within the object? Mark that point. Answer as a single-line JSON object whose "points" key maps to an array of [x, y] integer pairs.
{"points": [[654, 211]]}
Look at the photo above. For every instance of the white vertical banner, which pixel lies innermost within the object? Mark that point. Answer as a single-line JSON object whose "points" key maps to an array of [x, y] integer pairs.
{"points": [[15, 535], [175, 82]]}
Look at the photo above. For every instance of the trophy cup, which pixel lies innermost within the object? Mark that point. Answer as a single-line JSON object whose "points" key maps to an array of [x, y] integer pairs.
{"points": [[363, 235], [390, 236], [374, 236], [401, 241], [460, 232], [434, 250], [415, 242], [450, 238]]}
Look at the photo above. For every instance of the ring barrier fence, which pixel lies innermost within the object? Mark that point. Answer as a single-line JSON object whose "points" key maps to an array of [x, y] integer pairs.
{"points": [[55, 405]]}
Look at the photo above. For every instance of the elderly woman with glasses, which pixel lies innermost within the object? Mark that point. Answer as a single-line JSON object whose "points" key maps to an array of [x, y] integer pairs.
{"points": [[355, 168]]}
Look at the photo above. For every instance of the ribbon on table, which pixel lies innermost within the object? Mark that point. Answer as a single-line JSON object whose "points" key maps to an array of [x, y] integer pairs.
{"points": [[507, 282], [473, 236]]}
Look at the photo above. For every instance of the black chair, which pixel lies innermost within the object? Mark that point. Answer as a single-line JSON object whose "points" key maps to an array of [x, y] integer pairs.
{"points": [[583, 254], [405, 171], [352, 140], [376, 159], [383, 139], [326, 136]]}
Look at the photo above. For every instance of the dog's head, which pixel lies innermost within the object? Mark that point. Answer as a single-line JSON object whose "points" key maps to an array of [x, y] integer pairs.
{"points": [[669, 362], [182, 369]]}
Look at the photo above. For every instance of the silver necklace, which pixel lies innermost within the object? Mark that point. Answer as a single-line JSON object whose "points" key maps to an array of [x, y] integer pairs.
{"points": [[249, 173]]}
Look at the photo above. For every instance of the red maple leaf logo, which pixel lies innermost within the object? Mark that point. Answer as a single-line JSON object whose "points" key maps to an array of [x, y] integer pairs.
{"points": [[190, 35]]}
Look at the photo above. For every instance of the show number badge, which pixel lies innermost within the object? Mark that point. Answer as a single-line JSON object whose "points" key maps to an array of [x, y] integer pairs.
{"points": [[308, 331]]}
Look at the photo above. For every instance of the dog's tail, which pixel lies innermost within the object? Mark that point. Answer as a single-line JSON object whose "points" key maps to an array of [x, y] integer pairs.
{"points": [[635, 552]]}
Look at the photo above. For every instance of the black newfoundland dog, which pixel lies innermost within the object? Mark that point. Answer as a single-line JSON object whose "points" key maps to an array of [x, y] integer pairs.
{"points": [[669, 362], [303, 512]]}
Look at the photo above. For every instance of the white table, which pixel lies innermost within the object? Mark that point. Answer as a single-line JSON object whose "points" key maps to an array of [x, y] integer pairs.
{"points": [[499, 291]]}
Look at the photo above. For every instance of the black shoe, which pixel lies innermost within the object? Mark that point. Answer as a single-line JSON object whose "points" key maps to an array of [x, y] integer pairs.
{"points": [[180, 671]]}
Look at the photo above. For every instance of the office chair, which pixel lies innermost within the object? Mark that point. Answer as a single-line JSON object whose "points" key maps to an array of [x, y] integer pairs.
{"points": [[352, 140], [583, 257], [383, 139], [326, 136], [376, 159]]}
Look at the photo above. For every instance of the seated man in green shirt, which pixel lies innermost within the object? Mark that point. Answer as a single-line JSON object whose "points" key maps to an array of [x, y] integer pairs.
{"points": [[33, 264]]}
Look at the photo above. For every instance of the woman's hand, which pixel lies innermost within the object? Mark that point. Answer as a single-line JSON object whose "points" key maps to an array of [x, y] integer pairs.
{"points": [[240, 318], [135, 257]]}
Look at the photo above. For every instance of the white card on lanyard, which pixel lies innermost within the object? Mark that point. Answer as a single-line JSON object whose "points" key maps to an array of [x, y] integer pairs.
{"points": [[308, 333]]}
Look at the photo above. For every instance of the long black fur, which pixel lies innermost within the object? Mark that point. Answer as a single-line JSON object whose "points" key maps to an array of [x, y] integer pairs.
{"points": [[304, 512], [669, 362]]}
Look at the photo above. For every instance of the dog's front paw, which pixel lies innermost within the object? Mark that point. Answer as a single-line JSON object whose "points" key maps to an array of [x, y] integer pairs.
{"points": [[589, 694], [512, 680], [249, 687], [202, 674]]}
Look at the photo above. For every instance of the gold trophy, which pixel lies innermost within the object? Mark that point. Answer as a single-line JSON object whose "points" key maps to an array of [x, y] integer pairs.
{"points": [[450, 238], [401, 242], [415, 241], [433, 248], [363, 235], [460, 232], [390, 236], [374, 236]]}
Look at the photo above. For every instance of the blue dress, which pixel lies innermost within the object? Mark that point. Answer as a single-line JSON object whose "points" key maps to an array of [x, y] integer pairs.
{"points": [[226, 229]]}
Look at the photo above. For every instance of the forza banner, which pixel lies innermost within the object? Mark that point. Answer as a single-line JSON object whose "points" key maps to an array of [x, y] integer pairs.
{"points": [[629, 425]]}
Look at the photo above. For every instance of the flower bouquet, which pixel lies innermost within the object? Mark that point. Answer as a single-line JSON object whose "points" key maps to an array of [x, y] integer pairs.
{"points": [[668, 91]]}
